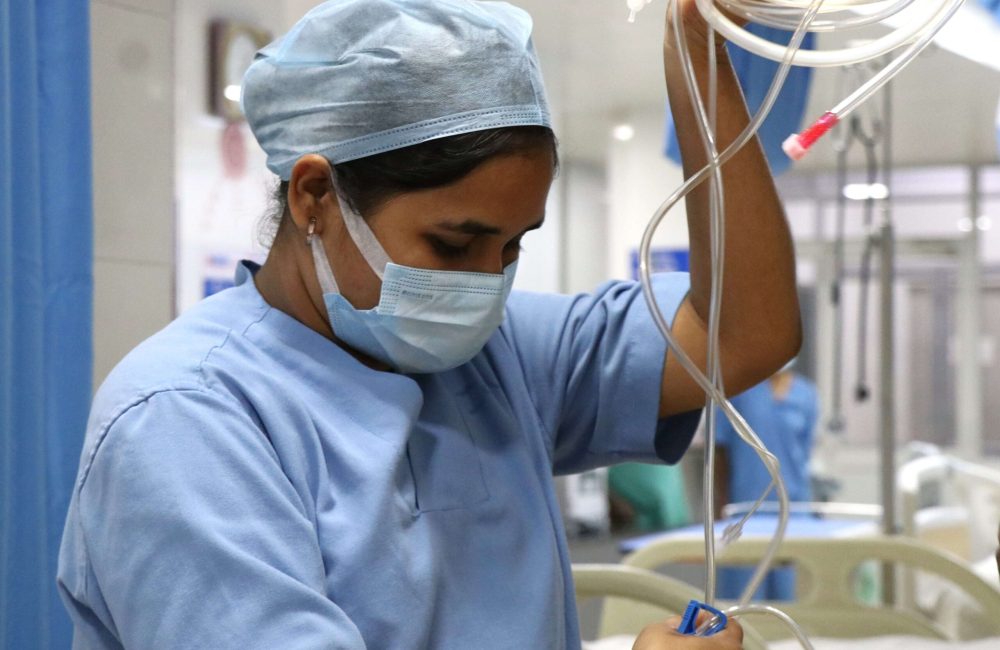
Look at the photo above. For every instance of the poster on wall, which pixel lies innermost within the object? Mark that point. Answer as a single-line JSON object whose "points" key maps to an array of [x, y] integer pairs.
{"points": [[663, 260], [222, 201], [222, 180]]}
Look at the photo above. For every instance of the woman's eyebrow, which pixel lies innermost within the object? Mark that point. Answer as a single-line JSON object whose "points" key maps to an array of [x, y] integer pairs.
{"points": [[473, 227]]}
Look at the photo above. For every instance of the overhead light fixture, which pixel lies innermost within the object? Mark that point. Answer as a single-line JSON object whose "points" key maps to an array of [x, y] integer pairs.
{"points": [[866, 191], [623, 132], [965, 224], [984, 223], [233, 92]]}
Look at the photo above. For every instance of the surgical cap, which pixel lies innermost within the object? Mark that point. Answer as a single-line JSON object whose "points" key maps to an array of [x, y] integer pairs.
{"points": [[355, 78]]}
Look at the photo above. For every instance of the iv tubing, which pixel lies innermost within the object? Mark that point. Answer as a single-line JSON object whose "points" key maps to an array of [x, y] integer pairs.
{"points": [[717, 396], [918, 33], [772, 12], [764, 609], [780, 10]]}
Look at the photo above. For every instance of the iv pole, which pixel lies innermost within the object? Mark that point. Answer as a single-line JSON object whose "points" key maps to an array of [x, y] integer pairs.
{"points": [[887, 379]]}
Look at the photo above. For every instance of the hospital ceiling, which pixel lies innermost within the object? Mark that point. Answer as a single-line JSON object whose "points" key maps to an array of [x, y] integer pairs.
{"points": [[602, 70]]}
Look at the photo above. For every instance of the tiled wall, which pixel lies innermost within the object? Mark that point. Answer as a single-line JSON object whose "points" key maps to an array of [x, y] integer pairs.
{"points": [[133, 124]]}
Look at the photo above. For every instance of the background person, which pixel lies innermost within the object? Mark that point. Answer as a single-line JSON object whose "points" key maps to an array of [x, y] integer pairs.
{"points": [[783, 412]]}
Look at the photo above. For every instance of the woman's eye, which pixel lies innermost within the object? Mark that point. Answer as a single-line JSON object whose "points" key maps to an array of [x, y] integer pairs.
{"points": [[515, 244], [445, 249]]}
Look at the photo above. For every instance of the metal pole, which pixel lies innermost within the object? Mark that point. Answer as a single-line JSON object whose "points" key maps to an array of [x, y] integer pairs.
{"points": [[968, 314], [887, 383]]}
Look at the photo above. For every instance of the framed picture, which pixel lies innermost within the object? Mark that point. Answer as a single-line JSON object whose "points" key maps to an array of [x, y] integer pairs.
{"points": [[232, 47]]}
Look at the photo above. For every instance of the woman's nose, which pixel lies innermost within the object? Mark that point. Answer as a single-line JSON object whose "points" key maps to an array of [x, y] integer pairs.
{"points": [[496, 262]]}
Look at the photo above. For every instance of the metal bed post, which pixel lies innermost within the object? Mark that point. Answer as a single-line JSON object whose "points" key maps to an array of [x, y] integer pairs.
{"points": [[887, 392]]}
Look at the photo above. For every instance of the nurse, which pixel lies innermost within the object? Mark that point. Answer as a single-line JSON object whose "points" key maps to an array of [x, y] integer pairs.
{"points": [[354, 447], [783, 411]]}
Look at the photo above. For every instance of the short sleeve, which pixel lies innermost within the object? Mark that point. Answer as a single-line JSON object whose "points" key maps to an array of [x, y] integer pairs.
{"points": [[594, 368], [197, 538]]}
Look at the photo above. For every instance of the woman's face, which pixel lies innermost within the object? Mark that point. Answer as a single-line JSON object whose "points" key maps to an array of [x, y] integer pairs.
{"points": [[476, 224]]}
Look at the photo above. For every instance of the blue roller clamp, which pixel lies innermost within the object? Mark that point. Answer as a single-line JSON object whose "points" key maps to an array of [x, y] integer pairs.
{"points": [[689, 623]]}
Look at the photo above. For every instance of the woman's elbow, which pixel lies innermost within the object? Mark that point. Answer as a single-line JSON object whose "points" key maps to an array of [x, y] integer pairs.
{"points": [[760, 357]]}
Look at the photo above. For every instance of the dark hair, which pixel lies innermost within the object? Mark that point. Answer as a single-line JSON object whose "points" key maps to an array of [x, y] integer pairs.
{"points": [[368, 183]]}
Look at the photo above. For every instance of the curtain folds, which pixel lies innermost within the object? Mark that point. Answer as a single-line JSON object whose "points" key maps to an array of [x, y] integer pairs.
{"points": [[46, 285]]}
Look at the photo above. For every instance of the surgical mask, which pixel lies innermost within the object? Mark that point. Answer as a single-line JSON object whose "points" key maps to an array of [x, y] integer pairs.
{"points": [[426, 321]]}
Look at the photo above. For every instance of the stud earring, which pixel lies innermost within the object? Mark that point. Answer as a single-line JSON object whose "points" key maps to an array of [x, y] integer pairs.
{"points": [[311, 231]]}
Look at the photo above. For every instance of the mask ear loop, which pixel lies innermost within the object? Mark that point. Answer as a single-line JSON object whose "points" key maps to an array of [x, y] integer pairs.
{"points": [[362, 235], [359, 232], [324, 273]]}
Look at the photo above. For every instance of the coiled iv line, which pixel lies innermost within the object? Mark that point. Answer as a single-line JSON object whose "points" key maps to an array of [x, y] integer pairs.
{"points": [[802, 16]]}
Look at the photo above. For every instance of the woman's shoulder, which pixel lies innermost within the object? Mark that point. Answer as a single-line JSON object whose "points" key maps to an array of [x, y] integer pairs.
{"points": [[175, 357]]}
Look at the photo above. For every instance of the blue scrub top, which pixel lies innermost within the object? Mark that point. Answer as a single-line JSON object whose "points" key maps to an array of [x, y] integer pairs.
{"points": [[246, 483], [785, 425]]}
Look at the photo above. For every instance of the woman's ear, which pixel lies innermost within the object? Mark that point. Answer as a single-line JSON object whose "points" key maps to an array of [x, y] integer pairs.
{"points": [[310, 191]]}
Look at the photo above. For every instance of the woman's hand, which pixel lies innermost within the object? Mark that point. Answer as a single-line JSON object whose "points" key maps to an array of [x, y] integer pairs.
{"points": [[664, 636]]}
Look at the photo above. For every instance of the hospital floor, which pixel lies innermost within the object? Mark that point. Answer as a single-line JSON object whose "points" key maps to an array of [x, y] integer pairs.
{"points": [[604, 549]]}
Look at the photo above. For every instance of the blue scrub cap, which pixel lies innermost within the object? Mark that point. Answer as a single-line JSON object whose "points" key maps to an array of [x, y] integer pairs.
{"points": [[355, 78]]}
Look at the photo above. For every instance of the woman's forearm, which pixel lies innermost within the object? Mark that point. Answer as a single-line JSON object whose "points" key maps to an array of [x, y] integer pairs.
{"points": [[760, 327]]}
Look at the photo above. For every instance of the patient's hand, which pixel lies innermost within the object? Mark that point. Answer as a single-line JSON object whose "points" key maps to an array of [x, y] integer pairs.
{"points": [[664, 636]]}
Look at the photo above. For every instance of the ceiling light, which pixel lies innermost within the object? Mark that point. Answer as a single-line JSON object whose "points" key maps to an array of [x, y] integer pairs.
{"points": [[623, 132], [865, 191], [233, 92]]}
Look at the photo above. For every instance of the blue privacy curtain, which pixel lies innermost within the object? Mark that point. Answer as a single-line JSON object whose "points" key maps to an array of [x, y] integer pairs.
{"points": [[45, 302], [755, 75]]}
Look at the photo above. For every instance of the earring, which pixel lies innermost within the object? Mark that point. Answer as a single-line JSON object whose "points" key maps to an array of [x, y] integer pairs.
{"points": [[311, 231]]}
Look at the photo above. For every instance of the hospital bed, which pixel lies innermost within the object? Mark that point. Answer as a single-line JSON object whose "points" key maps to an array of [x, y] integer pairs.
{"points": [[643, 597], [826, 607], [966, 510], [953, 506], [946, 503]]}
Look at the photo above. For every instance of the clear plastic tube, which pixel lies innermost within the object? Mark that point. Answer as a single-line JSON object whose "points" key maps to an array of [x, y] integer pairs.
{"points": [[740, 610], [712, 170], [928, 16], [706, 128], [926, 20], [803, 16]]}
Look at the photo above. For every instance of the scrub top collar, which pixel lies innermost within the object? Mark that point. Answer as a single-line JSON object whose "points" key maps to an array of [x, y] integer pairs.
{"points": [[308, 341]]}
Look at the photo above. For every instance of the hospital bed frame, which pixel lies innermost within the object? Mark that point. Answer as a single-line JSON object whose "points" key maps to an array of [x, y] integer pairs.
{"points": [[941, 469], [826, 605], [649, 597]]}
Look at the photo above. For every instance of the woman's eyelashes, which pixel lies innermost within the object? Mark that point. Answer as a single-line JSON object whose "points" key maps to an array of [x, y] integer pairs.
{"points": [[450, 250]]}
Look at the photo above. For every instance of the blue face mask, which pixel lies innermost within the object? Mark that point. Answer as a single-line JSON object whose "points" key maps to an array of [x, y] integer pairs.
{"points": [[425, 321]]}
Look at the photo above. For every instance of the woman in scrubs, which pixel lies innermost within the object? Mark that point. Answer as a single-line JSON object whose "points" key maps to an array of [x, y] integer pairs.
{"points": [[354, 447]]}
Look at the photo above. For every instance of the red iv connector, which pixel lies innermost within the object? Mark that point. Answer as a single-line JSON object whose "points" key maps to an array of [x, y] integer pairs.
{"points": [[797, 144]]}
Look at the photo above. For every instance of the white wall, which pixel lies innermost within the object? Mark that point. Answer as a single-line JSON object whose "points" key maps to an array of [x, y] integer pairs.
{"points": [[217, 212], [132, 76], [585, 226], [154, 141], [540, 265], [639, 179]]}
